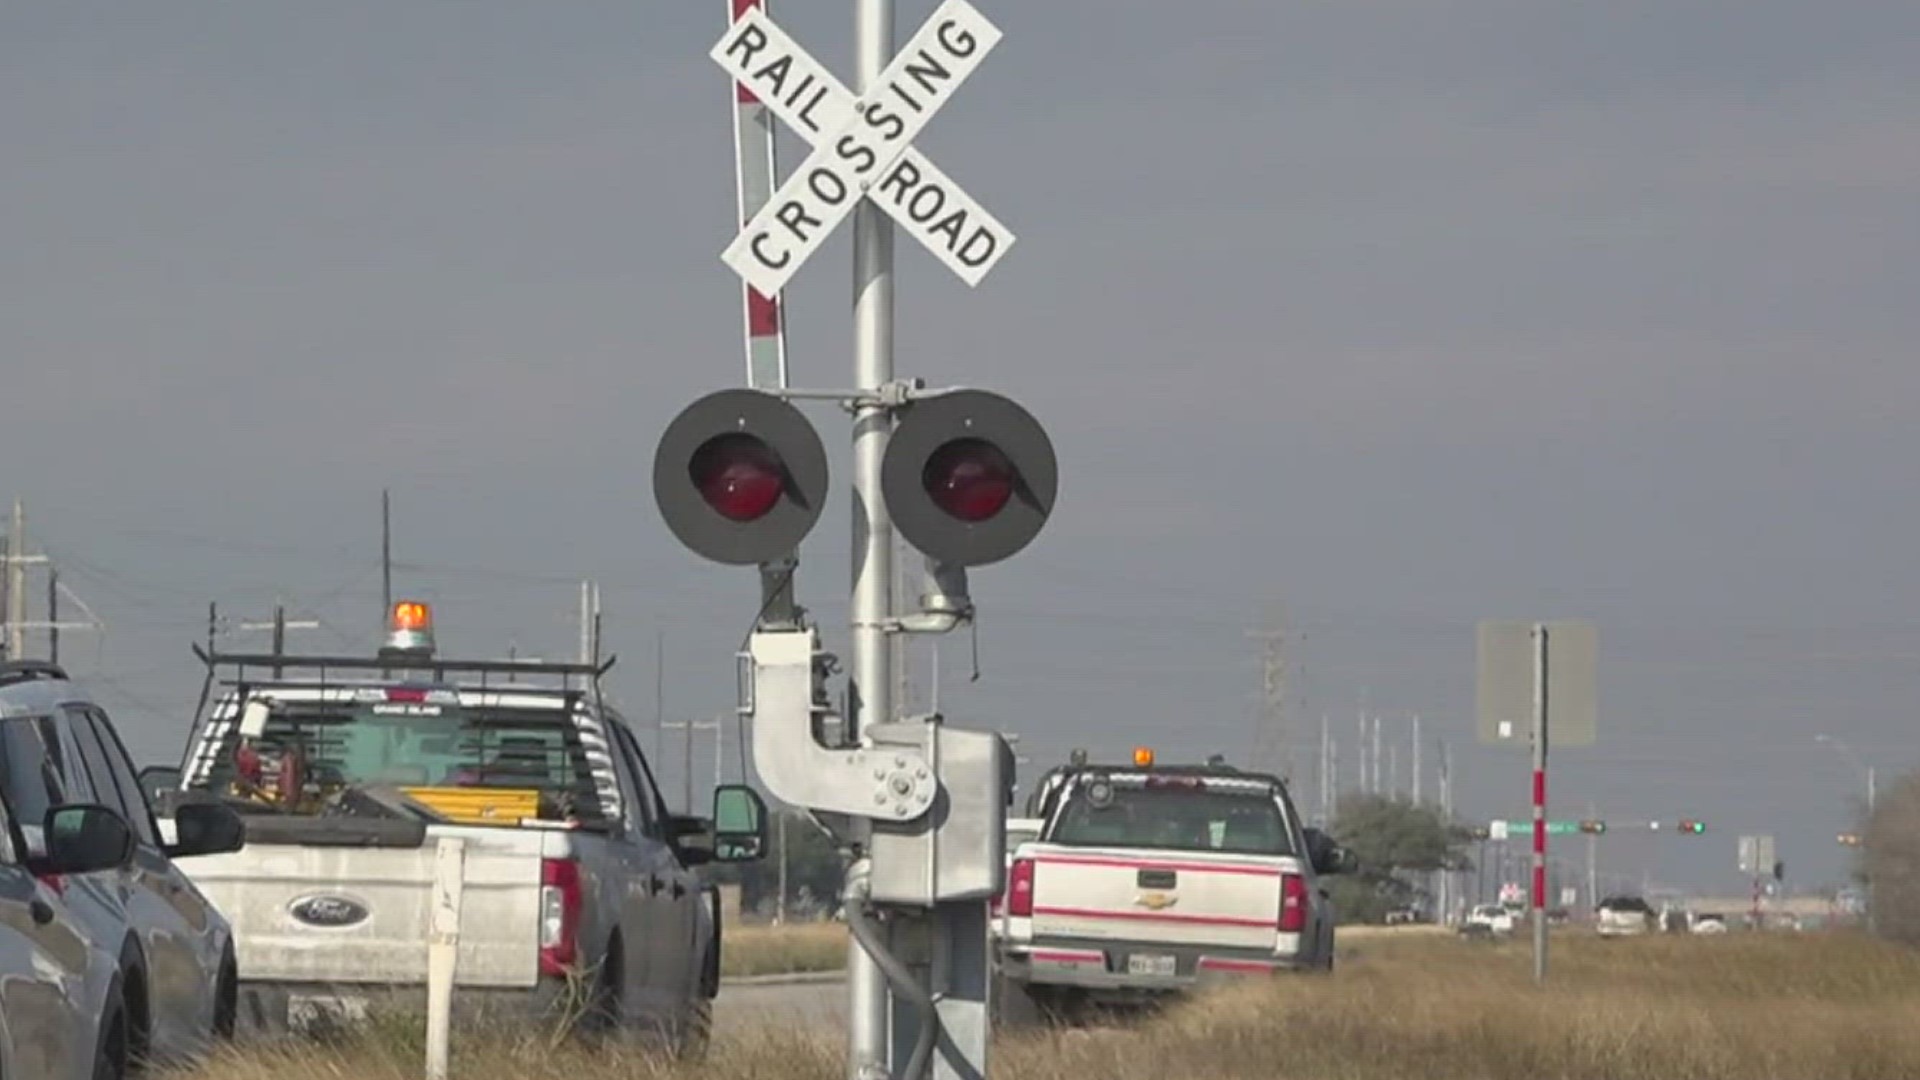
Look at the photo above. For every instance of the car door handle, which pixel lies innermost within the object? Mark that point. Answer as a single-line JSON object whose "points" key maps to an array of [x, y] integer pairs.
{"points": [[679, 890], [653, 885], [41, 911]]}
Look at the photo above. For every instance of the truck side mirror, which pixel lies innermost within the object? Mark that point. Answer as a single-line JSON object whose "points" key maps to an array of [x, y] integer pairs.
{"points": [[206, 829], [156, 780], [739, 824]]}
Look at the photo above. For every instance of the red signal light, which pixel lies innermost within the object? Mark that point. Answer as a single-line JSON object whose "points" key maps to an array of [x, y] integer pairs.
{"points": [[969, 479], [738, 475]]}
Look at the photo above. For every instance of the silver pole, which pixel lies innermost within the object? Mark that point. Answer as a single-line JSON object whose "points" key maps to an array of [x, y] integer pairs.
{"points": [[867, 1012]]}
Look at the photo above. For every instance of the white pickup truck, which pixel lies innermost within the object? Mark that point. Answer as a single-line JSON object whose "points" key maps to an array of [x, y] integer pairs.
{"points": [[1147, 880], [579, 904]]}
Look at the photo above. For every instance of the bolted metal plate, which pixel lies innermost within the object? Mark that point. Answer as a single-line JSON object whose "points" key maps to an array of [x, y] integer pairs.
{"points": [[932, 422], [791, 437]]}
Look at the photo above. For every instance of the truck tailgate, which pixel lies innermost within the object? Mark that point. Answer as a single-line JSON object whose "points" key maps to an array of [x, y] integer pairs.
{"points": [[360, 915], [1155, 896]]}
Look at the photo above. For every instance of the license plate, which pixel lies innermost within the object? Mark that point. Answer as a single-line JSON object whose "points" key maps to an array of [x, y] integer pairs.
{"points": [[306, 1012], [1149, 964]]}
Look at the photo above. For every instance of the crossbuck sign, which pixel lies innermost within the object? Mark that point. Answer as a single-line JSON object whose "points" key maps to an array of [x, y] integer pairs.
{"points": [[862, 147]]}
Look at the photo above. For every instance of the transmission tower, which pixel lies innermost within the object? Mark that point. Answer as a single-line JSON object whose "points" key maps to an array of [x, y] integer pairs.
{"points": [[1273, 743]]}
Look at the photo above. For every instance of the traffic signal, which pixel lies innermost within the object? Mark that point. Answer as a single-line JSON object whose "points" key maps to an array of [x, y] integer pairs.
{"points": [[969, 477], [1594, 827], [740, 477], [1688, 825]]}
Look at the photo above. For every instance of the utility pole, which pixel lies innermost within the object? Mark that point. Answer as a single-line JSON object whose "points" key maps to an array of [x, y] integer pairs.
{"points": [[53, 614], [1333, 771], [1360, 754], [1416, 759], [1393, 771], [14, 594], [386, 556], [1376, 756], [659, 695], [1447, 877], [17, 559], [1593, 866], [686, 763], [780, 901], [1273, 743], [589, 621], [1326, 778]]}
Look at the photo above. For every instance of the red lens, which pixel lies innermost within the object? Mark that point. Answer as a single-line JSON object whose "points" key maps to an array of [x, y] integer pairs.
{"points": [[969, 479], [738, 475]]}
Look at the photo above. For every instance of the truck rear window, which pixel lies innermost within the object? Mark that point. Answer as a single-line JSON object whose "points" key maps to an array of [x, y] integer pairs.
{"points": [[1176, 819], [409, 745]]}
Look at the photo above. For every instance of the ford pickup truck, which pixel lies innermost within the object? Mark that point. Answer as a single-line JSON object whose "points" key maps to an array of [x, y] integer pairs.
{"points": [[579, 901], [1147, 880]]}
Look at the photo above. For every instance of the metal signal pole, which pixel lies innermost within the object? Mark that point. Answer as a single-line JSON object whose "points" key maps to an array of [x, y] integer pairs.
{"points": [[1539, 803], [868, 1019]]}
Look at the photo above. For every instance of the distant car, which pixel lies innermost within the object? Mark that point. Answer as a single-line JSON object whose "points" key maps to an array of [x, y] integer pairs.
{"points": [[1488, 919], [109, 957], [1708, 922], [1623, 916]]}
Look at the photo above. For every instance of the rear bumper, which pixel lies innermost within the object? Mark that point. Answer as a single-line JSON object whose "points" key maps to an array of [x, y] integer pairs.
{"points": [[278, 1008], [1102, 967]]}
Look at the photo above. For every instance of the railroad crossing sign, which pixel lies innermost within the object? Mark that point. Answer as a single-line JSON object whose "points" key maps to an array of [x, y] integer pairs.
{"points": [[862, 147]]}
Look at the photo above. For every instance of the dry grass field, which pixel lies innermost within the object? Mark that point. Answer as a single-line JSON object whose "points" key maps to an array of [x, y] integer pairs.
{"points": [[1404, 1007], [781, 950]]}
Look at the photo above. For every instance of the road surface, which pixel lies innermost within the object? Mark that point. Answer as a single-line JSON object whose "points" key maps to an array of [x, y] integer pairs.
{"points": [[814, 1003]]}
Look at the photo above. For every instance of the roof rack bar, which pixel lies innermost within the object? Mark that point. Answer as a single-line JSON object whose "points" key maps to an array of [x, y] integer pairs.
{"points": [[399, 662]]}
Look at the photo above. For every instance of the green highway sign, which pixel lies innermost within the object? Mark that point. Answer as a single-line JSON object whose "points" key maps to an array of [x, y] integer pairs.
{"points": [[1525, 828]]}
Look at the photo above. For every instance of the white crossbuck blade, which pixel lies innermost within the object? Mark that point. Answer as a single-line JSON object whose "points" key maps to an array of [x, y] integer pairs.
{"points": [[862, 147]]}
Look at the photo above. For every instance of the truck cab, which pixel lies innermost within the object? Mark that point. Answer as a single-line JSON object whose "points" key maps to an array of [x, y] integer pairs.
{"points": [[579, 896], [1147, 880]]}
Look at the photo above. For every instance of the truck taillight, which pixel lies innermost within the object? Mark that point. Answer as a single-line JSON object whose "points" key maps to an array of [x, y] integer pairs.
{"points": [[1020, 889], [559, 915], [1293, 903]]}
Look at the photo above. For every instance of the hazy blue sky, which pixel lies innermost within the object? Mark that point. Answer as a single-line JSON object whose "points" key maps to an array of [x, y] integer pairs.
{"points": [[1403, 314]]}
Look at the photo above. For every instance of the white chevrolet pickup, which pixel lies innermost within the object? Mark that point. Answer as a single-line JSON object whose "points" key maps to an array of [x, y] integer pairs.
{"points": [[1148, 880], [579, 902]]}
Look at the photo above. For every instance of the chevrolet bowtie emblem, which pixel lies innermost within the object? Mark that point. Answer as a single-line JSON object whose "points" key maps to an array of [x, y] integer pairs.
{"points": [[1155, 901]]}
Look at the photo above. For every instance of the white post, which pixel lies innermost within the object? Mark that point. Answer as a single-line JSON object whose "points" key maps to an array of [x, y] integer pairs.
{"points": [[443, 951]]}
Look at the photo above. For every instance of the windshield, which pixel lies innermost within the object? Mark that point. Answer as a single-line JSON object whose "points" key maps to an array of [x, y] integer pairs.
{"points": [[1177, 818], [340, 745]]}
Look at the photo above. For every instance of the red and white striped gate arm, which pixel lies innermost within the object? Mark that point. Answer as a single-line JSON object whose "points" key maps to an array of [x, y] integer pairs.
{"points": [[754, 172]]}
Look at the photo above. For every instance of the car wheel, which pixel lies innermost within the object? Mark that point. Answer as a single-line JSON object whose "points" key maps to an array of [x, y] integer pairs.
{"points": [[110, 1053]]}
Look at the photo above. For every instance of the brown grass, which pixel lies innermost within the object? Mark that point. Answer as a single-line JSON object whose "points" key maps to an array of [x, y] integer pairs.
{"points": [[782, 950], [1740, 1007]]}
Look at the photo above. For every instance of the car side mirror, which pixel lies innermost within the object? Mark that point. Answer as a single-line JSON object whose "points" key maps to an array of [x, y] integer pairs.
{"points": [[84, 839], [739, 824], [206, 829], [1343, 861], [157, 780]]}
